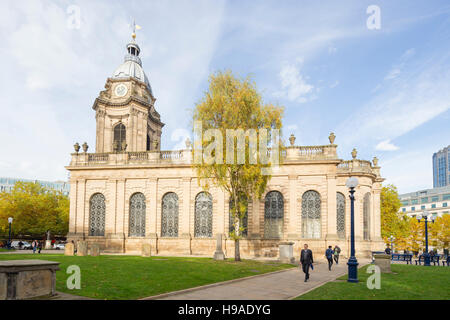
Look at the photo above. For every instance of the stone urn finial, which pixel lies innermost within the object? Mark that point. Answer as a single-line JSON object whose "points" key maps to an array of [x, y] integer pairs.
{"points": [[292, 139], [375, 161], [76, 146], [354, 153], [188, 143], [155, 144], [331, 137], [85, 147]]}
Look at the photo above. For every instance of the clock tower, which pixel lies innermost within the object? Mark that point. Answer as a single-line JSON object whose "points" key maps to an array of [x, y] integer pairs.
{"points": [[126, 118]]}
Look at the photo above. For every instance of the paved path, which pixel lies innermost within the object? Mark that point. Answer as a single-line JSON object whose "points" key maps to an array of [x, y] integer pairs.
{"points": [[53, 251], [276, 286]]}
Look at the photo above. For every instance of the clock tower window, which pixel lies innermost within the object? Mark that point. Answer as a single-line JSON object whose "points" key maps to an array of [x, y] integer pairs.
{"points": [[119, 143]]}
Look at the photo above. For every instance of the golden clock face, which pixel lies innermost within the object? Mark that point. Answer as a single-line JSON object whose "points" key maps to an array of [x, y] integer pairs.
{"points": [[121, 90]]}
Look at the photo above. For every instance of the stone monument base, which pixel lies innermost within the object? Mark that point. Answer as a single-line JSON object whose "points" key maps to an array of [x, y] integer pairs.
{"points": [[383, 261], [26, 279]]}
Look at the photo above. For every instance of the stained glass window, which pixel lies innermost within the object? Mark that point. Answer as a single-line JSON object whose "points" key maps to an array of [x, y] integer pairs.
{"points": [[169, 218], [273, 215], [203, 215], [137, 215], [311, 215], [97, 210], [340, 215]]}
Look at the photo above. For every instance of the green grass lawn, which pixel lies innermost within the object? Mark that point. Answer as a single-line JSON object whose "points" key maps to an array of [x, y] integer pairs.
{"points": [[134, 277], [407, 282], [4, 250]]}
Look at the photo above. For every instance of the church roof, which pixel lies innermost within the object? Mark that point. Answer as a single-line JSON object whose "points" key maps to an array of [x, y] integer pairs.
{"points": [[132, 66]]}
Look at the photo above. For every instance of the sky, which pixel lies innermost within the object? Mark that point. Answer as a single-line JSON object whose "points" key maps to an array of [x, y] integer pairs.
{"points": [[378, 78]]}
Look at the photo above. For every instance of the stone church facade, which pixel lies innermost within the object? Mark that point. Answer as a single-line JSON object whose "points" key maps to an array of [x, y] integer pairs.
{"points": [[129, 192]]}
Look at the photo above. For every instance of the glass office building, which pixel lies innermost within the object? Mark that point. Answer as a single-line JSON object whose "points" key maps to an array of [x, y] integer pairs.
{"points": [[436, 201], [441, 168], [7, 184]]}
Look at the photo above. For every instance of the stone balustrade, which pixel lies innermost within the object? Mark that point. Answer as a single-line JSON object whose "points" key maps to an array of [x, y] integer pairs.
{"points": [[289, 154], [358, 166], [292, 153]]}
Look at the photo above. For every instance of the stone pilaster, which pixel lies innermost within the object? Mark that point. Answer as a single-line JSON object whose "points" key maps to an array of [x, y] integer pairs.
{"points": [[293, 217], [331, 216]]}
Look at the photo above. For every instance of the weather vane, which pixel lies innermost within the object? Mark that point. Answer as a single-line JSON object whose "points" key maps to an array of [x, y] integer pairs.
{"points": [[135, 27]]}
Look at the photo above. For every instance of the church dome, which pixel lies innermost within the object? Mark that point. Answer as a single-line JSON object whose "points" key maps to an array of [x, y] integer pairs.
{"points": [[132, 66]]}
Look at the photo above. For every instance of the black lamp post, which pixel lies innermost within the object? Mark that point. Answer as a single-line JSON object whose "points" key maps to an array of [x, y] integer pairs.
{"points": [[352, 263], [426, 255], [10, 220]]}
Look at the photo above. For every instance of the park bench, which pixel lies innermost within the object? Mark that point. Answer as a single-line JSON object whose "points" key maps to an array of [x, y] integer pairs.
{"points": [[420, 260], [433, 259], [402, 257], [446, 261]]}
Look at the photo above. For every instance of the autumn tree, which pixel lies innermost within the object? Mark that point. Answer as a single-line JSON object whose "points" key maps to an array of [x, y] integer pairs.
{"points": [[439, 232], [393, 222], [233, 108], [34, 209]]}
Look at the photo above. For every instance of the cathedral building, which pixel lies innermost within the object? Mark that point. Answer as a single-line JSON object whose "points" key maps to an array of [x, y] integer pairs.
{"points": [[129, 192]]}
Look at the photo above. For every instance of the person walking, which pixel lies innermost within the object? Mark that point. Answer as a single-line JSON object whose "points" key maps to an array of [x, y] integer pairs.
{"points": [[306, 259], [329, 256], [39, 246], [34, 246], [337, 252]]}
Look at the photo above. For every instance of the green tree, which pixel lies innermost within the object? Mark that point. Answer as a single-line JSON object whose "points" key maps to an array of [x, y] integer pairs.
{"points": [[393, 222], [234, 103], [34, 209]]}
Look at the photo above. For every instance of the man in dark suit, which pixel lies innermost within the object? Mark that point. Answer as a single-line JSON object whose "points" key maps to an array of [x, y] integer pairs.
{"points": [[306, 259]]}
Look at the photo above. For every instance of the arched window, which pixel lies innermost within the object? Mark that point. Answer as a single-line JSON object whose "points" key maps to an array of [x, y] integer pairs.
{"points": [[97, 210], [203, 215], [244, 232], [137, 215], [311, 215], [120, 137], [340, 215], [169, 215], [273, 215], [366, 216]]}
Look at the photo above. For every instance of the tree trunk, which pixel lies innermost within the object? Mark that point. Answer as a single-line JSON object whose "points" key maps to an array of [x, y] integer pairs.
{"points": [[237, 253]]}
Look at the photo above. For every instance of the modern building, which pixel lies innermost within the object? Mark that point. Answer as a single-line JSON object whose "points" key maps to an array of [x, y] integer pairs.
{"points": [[441, 168], [7, 184], [435, 201], [129, 192]]}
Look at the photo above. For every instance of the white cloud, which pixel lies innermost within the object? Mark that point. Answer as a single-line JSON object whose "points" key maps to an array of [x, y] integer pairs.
{"points": [[386, 145], [417, 95], [294, 85], [334, 84]]}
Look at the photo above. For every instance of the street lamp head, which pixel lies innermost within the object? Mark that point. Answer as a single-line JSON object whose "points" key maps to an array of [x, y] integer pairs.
{"points": [[352, 182], [426, 214], [419, 216], [10, 220]]}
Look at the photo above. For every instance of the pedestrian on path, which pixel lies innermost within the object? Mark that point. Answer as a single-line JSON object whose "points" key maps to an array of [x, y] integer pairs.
{"points": [[306, 259], [39, 247], [34, 246], [329, 256], [337, 252]]}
